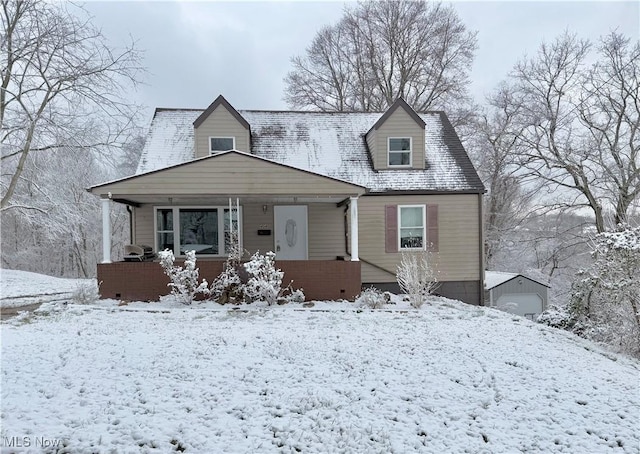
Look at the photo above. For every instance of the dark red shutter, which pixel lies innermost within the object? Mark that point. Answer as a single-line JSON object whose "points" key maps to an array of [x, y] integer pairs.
{"points": [[432, 228], [391, 228]]}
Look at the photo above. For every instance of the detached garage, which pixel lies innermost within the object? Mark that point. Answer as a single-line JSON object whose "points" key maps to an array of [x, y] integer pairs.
{"points": [[515, 293]]}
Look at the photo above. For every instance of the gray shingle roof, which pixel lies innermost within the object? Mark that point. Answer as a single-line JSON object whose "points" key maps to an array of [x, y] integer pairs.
{"points": [[331, 144]]}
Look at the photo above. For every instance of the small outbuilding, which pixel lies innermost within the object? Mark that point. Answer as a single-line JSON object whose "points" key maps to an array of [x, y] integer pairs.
{"points": [[515, 293]]}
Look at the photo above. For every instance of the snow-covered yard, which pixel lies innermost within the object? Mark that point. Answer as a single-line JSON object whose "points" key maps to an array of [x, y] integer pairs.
{"points": [[445, 378], [21, 288]]}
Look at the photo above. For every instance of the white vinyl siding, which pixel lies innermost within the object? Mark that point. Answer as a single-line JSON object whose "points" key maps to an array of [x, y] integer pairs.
{"points": [[458, 235], [220, 123], [399, 124], [235, 174]]}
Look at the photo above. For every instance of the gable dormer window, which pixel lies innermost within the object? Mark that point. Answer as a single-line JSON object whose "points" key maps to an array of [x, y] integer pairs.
{"points": [[399, 151], [218, 144]]}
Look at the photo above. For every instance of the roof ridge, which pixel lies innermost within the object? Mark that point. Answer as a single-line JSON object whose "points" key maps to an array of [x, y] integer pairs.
{"points": [[185, 109], [349, 112]]}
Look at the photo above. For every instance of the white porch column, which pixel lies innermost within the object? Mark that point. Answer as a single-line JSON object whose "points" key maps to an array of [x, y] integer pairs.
{"points": [[353, 209], [106, 231]]}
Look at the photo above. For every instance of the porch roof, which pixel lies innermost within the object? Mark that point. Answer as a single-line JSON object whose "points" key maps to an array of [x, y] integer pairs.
{"points": [[227, 174]]}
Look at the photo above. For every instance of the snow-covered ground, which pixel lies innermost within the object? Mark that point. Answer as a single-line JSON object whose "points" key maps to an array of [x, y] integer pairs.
{"points": [[155, 377], [21, 288]]}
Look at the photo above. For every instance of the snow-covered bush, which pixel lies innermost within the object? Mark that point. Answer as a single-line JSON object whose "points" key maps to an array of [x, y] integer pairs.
{"points": [[289, 295], [372, 298], [85, 294], [184, 280], [605, 299], [227, 287], [265, 280], [557, 317], [417, 276]]}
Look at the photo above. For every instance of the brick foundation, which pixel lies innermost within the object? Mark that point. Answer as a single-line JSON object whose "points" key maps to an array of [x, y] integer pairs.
{"points": [[145, 281]]}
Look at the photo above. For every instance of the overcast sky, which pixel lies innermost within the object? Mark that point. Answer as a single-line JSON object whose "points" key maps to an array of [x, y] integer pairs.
{"points": [[195, 51]]}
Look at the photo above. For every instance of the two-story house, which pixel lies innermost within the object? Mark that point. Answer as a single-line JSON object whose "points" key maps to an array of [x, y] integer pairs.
{"points": [[337, 196]]}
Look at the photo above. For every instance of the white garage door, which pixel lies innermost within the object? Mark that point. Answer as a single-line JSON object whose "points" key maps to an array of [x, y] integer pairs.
{"points": [[526, 304]]}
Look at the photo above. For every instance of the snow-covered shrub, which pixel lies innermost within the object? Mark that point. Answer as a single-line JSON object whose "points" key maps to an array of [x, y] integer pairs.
{"points": [[557, 317], [417, 276], [289, 295], [605, 299], [184, 280], [297, 296], [265, 280], [227, 287], [372, 298], [86, 293]]}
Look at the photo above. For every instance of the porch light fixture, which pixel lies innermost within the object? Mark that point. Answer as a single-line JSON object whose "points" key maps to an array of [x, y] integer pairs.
{"points": [[264, 209]]}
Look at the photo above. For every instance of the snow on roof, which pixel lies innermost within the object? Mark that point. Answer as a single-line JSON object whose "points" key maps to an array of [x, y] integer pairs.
{"points": [[494, 278], [169, 140], [331, 144]]}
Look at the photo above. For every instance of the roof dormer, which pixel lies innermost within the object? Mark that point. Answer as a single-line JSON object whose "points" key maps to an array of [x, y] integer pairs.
{"points": [[220, 128], [397, 139]]}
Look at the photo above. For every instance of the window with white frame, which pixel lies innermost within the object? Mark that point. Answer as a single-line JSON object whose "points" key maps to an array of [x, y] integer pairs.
{"points": [[399, 151], [218, 144], [411, 227], [205, 230]]}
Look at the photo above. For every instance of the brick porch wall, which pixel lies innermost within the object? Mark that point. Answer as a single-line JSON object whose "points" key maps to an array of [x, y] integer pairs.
{"points": [[145, 281]]}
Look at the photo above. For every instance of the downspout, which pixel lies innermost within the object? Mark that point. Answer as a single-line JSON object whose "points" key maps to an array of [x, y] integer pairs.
{"points": [[481, 245], [347, 249], [131, 226], [353, 210]]}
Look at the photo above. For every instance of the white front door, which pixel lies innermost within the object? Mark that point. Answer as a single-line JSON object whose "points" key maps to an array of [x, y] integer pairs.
{"points": [[290, 226]]}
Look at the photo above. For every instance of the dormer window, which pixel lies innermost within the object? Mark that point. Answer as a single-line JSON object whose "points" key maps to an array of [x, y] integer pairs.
{"points": [[218, 144], [399, 151]]}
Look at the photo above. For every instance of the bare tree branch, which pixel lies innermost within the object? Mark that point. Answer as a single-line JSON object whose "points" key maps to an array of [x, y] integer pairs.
{"points": [[58, 74], [381, 51], [579, 122]]}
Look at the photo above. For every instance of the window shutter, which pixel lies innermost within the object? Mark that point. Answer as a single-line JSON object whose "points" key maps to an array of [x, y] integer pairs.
{"points": [[432, 228], [391, 228]]}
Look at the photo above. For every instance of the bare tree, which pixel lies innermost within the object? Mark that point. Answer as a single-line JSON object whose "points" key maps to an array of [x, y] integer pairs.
{"points": [[62, 87], [380, 51], [579, 123], [493, 145], [609, 109], [61, 234]]}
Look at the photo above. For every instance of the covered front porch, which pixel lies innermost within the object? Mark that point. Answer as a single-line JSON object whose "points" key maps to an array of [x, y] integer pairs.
{"points": [[308, 220]]}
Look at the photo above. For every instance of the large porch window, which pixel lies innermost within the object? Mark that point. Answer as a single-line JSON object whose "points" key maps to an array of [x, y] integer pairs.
{"points": [[205, 230]]}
